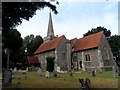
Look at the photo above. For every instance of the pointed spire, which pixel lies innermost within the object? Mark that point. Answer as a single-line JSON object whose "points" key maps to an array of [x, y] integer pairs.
{"points": [[50, 32]]}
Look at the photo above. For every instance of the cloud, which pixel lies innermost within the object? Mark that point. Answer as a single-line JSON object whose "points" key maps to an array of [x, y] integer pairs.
{"points": [[73, 20]]}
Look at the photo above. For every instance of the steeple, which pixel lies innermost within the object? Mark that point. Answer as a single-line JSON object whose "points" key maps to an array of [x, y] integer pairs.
{"points": [[50, 32]]}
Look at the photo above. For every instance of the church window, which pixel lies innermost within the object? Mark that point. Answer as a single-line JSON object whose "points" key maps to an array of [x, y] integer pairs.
{"points": [[87, 57]]}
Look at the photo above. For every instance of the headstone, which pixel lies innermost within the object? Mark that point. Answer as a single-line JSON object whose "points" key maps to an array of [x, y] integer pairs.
{"points": [[58, 68], [71, 73], [27, 69], [55, 74], [47, 74], [114, 71], [81, 83], [119, 71], [85, 84], [7, 77], [0, 81], [39, 71], [15, 69]]}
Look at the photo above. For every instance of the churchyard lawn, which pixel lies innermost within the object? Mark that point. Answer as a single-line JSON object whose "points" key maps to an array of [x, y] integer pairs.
{"points": [[101, 80]]}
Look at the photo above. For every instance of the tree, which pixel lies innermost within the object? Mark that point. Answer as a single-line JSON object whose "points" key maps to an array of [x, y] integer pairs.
{"points": [[114, 42], [98, 29], [12, 42], [32, 43], [14, 12]]}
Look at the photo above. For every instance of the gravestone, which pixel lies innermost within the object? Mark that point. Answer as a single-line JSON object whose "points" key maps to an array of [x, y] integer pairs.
{"points": [[114, 71], [71, 73], [47, 74], [27, 69], [58, 68], [7, 77], [39, 71], [55, 74], [85, 84], [0, 85], [15, 69]]}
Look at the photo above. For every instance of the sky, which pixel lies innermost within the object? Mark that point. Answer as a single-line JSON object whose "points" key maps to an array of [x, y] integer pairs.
{"points": [[74, 18]]}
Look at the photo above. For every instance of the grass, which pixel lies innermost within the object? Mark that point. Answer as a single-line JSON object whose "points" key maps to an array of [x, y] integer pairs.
{"points": [[101, 80]]}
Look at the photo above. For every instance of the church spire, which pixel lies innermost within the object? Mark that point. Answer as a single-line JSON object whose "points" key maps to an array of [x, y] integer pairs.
{"points": [[50, 32]]}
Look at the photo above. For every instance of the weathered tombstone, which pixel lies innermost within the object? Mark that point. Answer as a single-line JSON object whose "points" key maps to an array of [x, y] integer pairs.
{"points": [[0, 80], [27, 69], [7, 77], [114, 71], [55, 74], [15, 69], [58, 68], [39, 71], [24, 73], [47, 74], [85, 84], [81, 83], [71, 73]]}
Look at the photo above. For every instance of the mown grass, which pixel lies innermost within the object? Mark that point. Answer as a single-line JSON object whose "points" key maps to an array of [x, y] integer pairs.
{"points": [[101, 80]]}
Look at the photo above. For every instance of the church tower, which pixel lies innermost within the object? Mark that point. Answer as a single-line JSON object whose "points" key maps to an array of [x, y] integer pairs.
{"points": [[50, 31]]}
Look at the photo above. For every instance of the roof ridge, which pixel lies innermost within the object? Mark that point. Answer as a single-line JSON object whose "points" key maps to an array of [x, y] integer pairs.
{"points": [[92, 34], [52, 44], [88, 42]]}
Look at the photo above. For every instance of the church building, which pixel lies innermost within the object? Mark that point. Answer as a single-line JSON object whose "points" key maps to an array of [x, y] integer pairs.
{"points": [[87, 53]]}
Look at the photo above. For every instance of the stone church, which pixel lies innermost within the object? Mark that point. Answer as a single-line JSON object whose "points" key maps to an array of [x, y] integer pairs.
{"points": [[90, 52]]}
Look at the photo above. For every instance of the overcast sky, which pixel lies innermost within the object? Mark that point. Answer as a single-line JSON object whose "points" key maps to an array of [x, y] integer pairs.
{"points": [[75, 18]]}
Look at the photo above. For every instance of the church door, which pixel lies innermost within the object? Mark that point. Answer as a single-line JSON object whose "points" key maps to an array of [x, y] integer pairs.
{"points": [[80, 64]]}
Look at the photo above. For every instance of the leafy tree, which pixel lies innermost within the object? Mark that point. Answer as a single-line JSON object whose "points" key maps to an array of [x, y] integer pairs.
{"points": [[98, 29], [12, 15], [14, 12], [12, 41], [32, 43], [114, 42]]}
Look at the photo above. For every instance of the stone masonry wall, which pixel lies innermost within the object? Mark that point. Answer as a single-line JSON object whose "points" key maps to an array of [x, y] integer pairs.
{"points": [[106, 53], [62, 54], [42, 58]]}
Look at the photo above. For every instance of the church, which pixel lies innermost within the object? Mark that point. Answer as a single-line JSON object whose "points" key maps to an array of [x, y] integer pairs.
{"points": [[88, 53]]}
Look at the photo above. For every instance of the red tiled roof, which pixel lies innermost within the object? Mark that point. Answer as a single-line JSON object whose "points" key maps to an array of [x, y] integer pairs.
{"points": [[88, 42], [50, 45], [32, 59]]}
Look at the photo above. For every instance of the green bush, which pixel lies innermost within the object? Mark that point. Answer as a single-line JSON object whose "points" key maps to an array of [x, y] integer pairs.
{"points": [[50, 63]]}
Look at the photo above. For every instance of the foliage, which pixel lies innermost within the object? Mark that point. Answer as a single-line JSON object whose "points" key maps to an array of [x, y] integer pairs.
{"points": [[12, 15], [50, 63], [114, 42], [12, 40], [98, 29], [32, 43], [14, 12]]}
